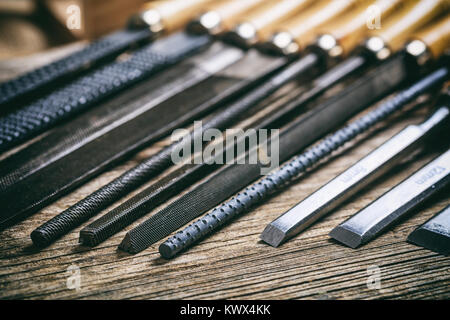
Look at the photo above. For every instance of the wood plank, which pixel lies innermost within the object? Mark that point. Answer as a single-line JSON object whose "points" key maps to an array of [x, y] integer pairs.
{"points": [[234, 264]]}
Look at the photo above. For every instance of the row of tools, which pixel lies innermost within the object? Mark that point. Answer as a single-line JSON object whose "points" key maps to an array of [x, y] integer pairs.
{"points": [[221, 62]]}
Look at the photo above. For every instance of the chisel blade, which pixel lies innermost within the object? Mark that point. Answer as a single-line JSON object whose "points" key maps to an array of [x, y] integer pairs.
{"points": [[352, 180], [395, 204], [434, 234]]}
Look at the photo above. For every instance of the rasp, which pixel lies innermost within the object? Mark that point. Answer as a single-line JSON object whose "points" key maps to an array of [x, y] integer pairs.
{"points": [[434, 234], [50, 167], [395, 204], [293, 137], [165, 16], [297, 68], [278, 180], [355, 178], [95, 86]]}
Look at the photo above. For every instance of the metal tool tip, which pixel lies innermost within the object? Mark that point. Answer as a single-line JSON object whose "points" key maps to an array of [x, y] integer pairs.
{"points": [[244, 35], [167, 250], [346, 237], [127, 244], [273, 235], [209, 22], [87, 238], [39, 238], [280, 43], [430, 240], [147, 19]]}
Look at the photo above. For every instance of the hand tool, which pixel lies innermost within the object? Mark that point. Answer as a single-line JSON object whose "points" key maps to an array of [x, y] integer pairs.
{"points": [[166, 15], [47, 234], [434, 234], [182, 215], [352, 180], [217, 22], [50, 167], [258, 192], [292, 138], [94, 87], [295, 34], [394, 204], [147, 199], [257, 25]]}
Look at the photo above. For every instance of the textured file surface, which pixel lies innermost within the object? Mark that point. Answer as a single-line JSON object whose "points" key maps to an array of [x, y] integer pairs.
{"points": [[93, 87], [107, 47]]}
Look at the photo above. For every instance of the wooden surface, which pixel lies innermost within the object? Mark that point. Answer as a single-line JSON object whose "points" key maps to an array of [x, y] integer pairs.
{"points": [[234, 264]]}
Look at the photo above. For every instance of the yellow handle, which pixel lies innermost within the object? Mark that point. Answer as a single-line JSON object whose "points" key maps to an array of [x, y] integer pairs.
{"points": [[303, 27], [399, 27], [268, 15], [436, 37], [231, 11], [174, 14], [348, 31]]}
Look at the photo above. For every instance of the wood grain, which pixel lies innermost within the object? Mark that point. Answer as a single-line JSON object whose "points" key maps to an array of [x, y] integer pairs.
{"points": [[234, 264]]}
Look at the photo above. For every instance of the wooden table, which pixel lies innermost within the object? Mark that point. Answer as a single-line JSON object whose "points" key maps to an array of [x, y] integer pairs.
{"points": [[234, 263]]}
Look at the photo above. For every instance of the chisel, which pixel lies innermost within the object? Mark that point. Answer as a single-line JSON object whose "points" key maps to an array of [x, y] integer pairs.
{"points": [[258, 24], [355, 178], [258, 192], [206, 196], [87, 207], [137, 206], [166, 16], [434, 234], [395, 204], [49, 168]]}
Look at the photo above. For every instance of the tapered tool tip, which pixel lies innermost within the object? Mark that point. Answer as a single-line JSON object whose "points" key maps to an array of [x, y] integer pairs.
{"points": [[273, 235], [346, 237], [39, 238], [430, 240], [127, 244], [167, 250]]}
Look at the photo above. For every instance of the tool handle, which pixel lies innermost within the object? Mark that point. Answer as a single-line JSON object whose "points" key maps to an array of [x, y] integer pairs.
{"points": [[231, 11], [436, 37], [264, 18], [174, 14], [400, 26], [303, 27], [349, 30]]}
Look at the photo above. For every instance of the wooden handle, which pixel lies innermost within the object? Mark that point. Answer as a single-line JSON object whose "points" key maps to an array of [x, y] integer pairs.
{"points": [[264, 18], [399, 27], [350, 30], [174, 14], [436, 37], [303, 27], [232, 11]]}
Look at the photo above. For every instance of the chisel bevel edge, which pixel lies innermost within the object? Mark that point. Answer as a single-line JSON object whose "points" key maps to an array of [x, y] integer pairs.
{"points": [[434, 234], [293, 137], [258, 192], [395, 204], [352, 180], [94, 87]]}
